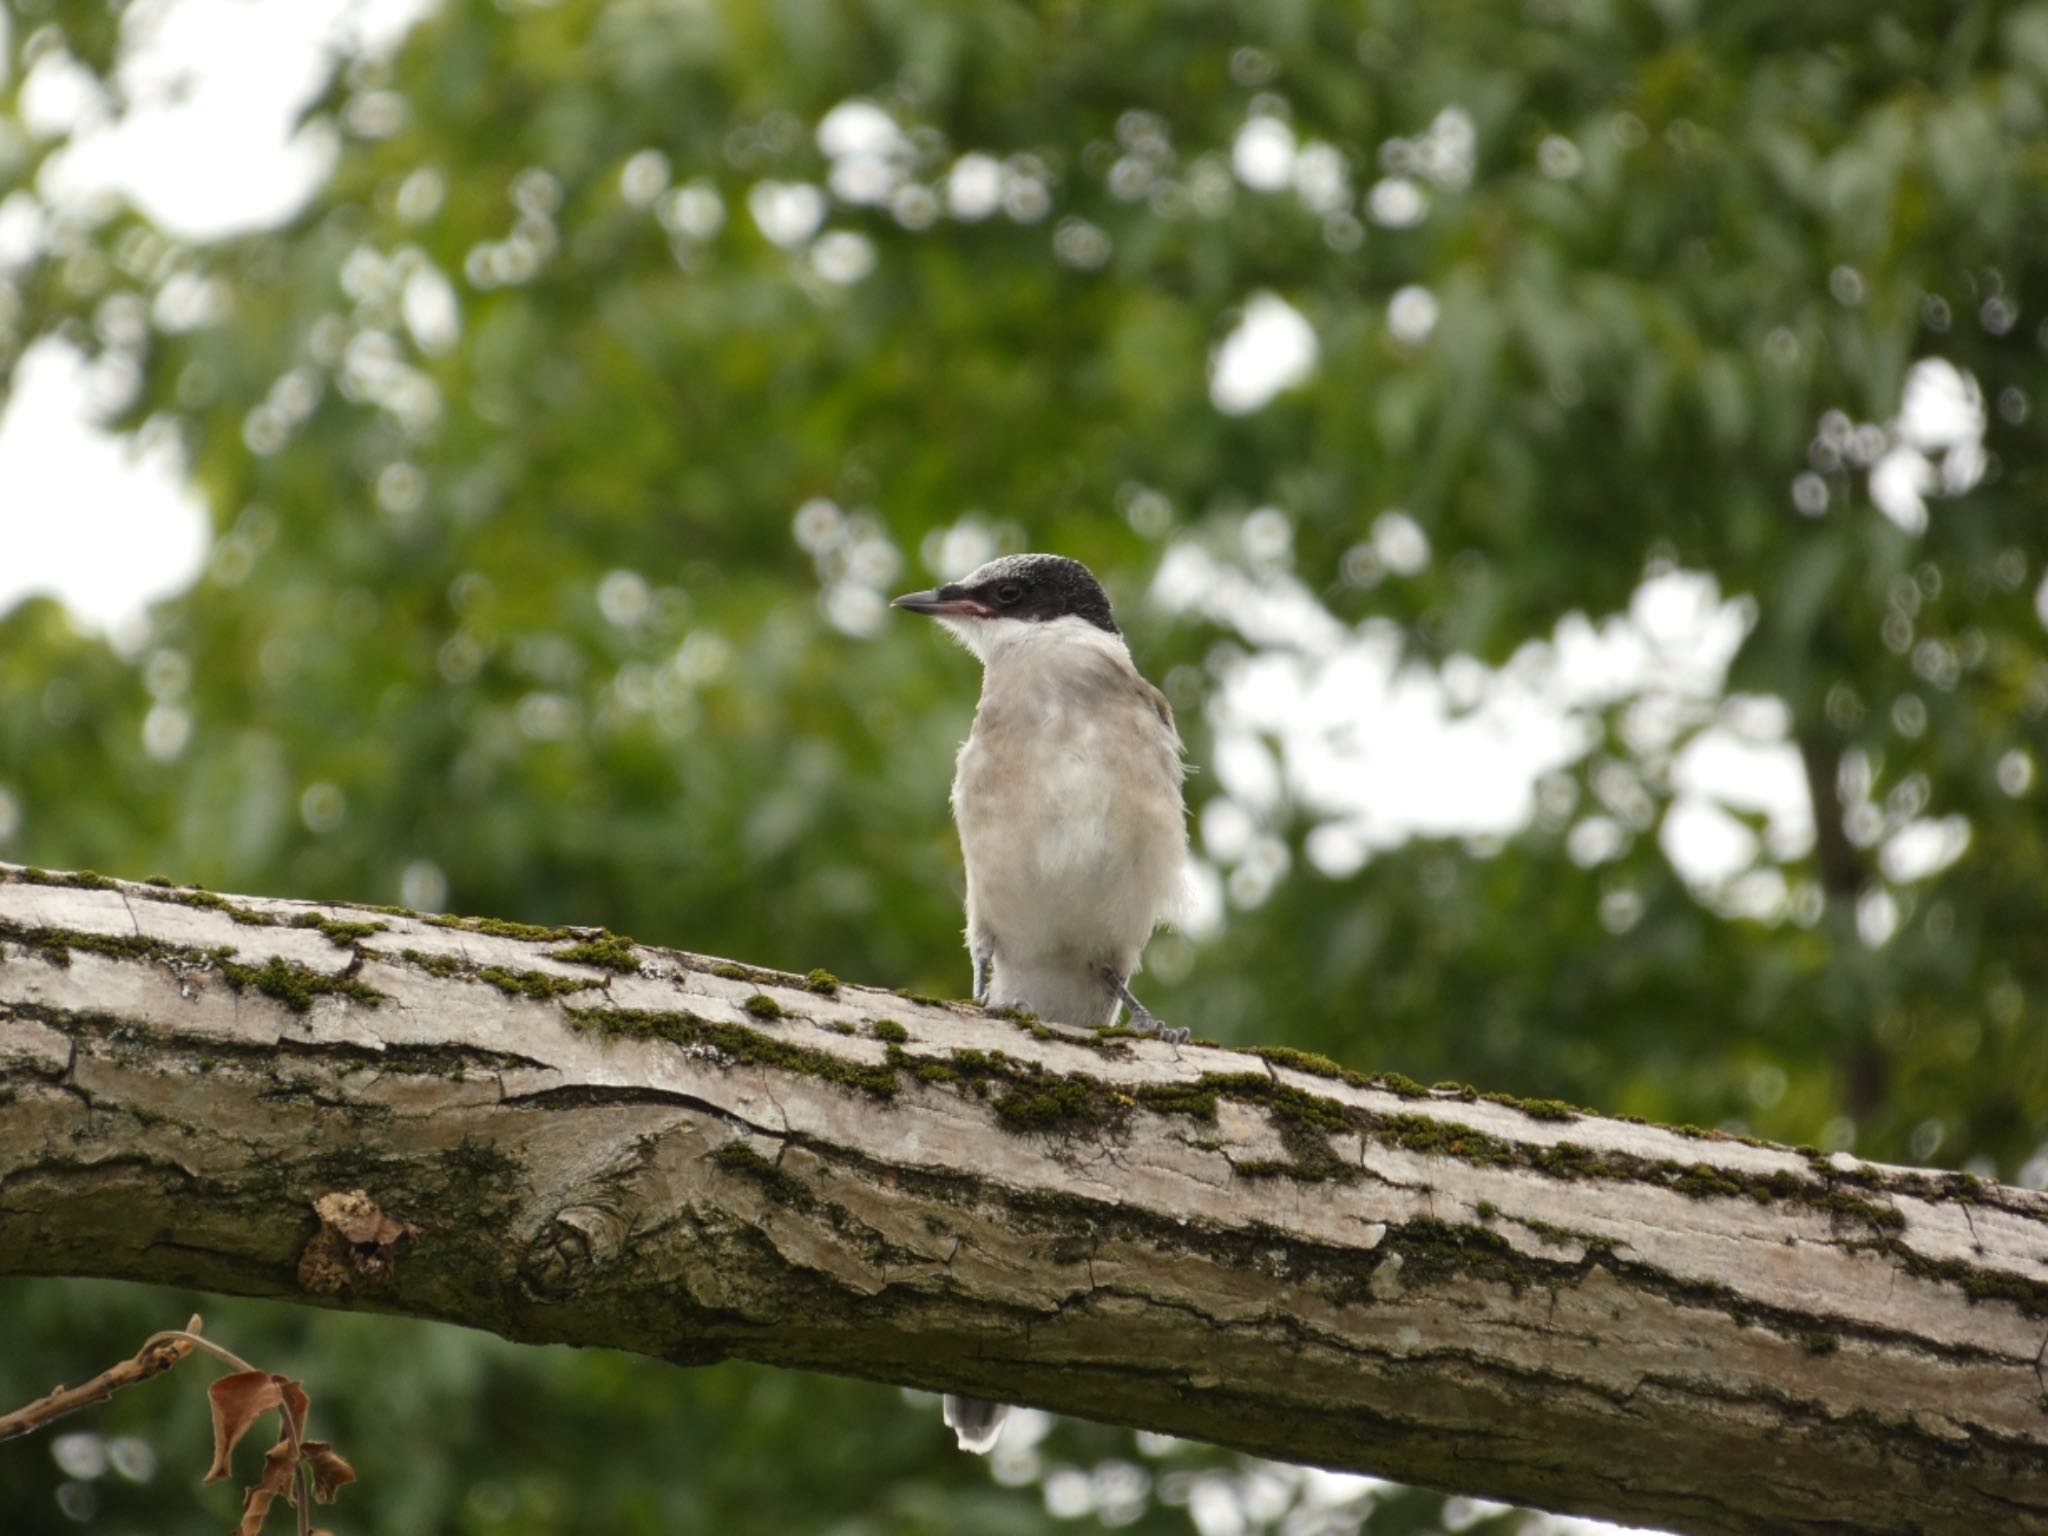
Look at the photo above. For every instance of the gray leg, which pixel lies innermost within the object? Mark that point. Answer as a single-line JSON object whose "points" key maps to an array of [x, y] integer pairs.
{"points": [[1142, 1018], [983, 963]]}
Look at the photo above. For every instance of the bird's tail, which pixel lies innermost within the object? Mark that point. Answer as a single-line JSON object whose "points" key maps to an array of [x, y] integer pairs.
{"points": [[976, 1423]]}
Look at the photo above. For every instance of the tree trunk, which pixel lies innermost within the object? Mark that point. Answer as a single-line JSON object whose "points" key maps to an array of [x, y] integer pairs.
{"points": [[560, 1135]]}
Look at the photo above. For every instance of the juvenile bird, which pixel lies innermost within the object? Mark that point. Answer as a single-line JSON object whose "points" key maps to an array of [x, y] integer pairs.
{"points": [[1068, 800]]}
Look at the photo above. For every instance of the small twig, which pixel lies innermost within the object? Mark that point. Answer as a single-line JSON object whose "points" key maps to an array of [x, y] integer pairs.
{"points": [[302, 1475], [190, 1336], [158, 1354]]}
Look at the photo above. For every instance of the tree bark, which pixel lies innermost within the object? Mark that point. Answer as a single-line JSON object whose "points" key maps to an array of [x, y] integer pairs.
{"points": [[561, 1135]]}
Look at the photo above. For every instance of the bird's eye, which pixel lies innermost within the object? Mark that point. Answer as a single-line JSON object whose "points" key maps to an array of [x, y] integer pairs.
{"points": [[1009, 592]]}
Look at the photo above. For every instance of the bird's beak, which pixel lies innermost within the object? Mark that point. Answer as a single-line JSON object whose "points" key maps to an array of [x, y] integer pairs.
{"points": [[941, 603]]}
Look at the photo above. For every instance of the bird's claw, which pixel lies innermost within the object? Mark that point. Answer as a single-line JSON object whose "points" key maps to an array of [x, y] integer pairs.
{"points": [[1143, 1019], [1147, 1022]]}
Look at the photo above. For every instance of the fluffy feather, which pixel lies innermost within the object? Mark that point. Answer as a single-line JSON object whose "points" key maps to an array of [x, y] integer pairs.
{"points": [[1068, 801], [974, 1423]]}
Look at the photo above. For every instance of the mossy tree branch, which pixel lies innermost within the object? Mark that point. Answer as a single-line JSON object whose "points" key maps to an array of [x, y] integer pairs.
{"points": [[562, 1135]]}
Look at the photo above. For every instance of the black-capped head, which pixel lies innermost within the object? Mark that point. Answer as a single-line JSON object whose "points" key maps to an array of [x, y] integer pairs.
{"points": [[1031, 589]]}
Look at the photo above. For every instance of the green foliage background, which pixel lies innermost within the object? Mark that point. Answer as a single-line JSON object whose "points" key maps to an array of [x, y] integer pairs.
{"points": [[527, 606]]}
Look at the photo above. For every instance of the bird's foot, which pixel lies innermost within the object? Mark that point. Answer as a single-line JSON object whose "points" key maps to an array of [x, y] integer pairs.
{"points": [[984, 967], [1143, 1019]]}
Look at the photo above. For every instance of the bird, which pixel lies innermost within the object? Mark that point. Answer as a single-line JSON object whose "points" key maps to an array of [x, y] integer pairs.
{"points": [[1067, 797]]}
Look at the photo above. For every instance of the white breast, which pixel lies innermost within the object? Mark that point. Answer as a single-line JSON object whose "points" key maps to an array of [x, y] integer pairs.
{"points": [[1069, 807]]}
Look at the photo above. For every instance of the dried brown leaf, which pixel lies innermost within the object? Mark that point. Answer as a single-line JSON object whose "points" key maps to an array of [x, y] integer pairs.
{"points": [[296, 1403], [330, 1469], [239, 1400], [279, 1466]]}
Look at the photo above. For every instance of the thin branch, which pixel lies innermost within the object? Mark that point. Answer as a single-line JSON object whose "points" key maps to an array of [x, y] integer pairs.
{"points": [[190, 1335], [158, 1354]]}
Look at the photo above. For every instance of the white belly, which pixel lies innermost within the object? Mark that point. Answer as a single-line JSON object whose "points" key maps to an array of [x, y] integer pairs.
{"points": [[1076, 845]]}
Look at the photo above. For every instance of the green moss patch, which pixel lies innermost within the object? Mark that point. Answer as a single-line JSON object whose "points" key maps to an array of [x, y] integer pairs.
{"points": [[1321, 1066], [535, 984], [1935, 1188], [1432, 1250], [1029, 1097], [344, 934], [762, 1006], [206, 901], [1407, 1087], [1430, 1136], [1551, 1232], [294, 985], [889, 1029], [614, 952], [1310, 1062], [1400, 1085], [499, 928], [736, 1041], [57, 944], [539, 985], [823, 982], [2030, 1296], [1535, 1109], [435, 965], [82, 880], [163, 889], [156, 888]]}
